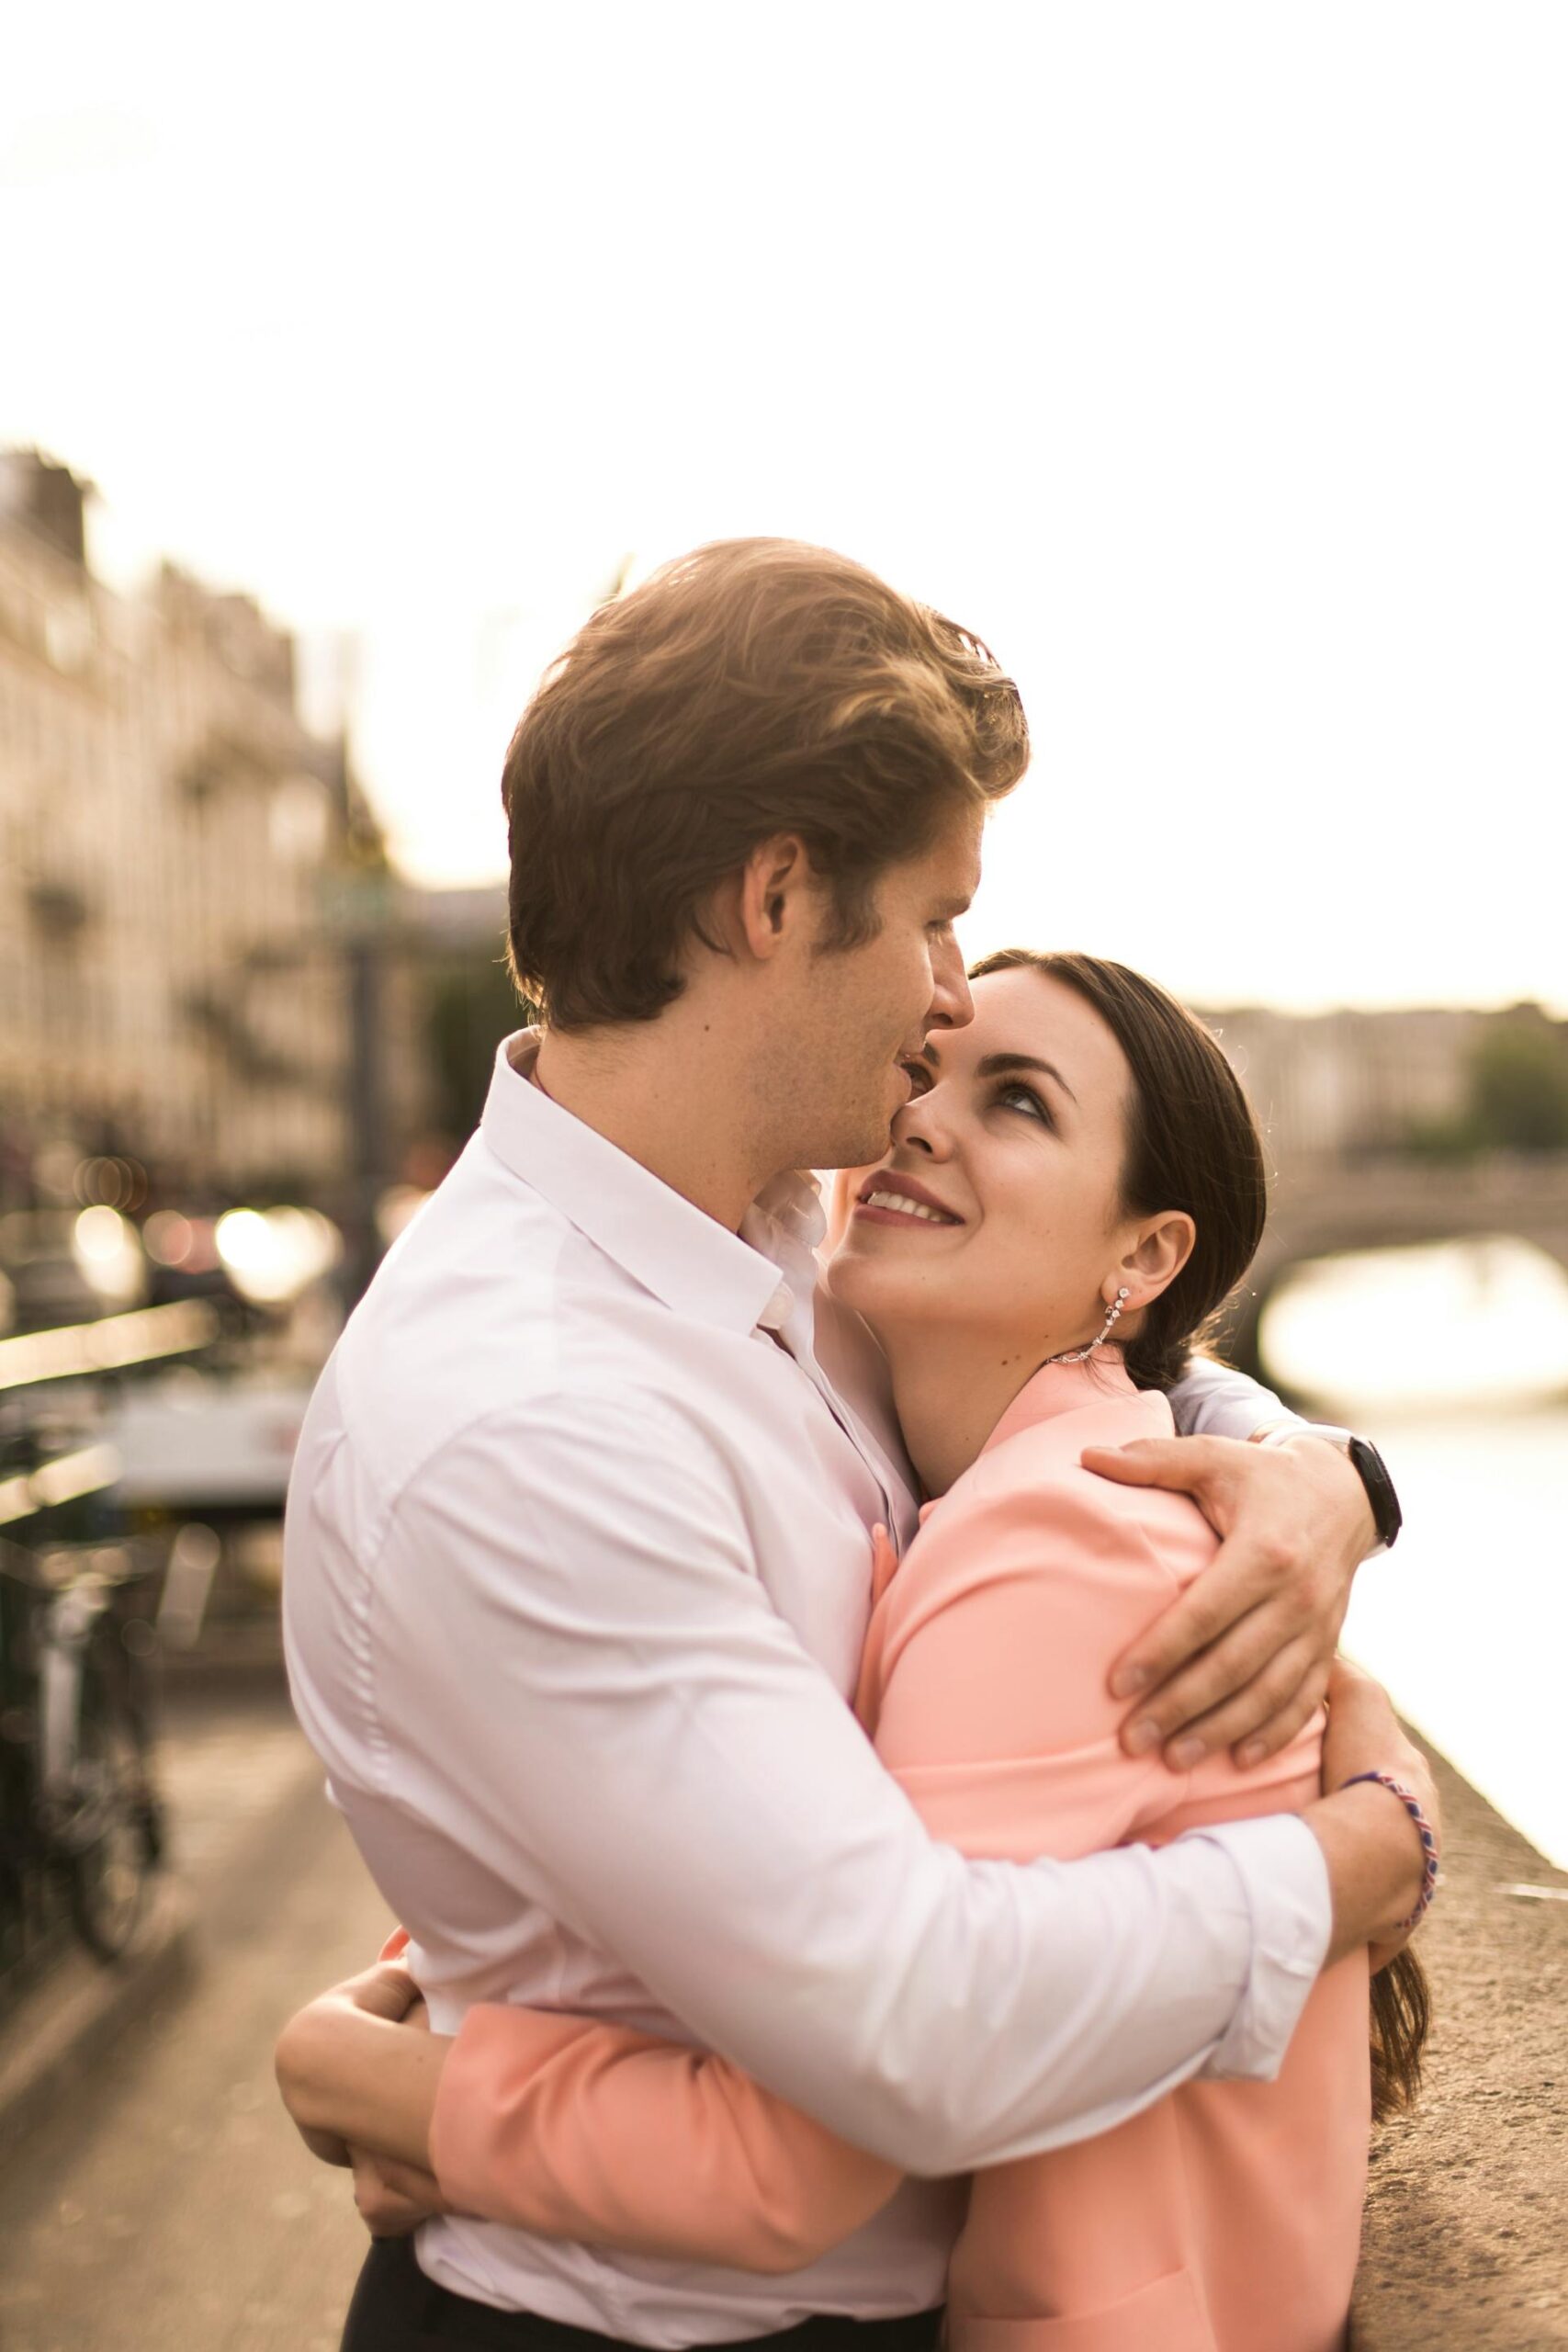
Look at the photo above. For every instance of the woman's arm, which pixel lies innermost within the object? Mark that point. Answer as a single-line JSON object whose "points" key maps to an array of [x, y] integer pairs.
{"points": [[580, 2130], [577, 2130]]}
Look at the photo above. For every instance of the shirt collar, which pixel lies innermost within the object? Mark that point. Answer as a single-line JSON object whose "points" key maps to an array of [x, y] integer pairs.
{"points": [[673, 1249]]}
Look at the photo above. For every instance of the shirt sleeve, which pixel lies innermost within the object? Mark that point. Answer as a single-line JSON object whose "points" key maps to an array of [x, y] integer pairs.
{"points": [[706, 1807], [1214, 1400]]}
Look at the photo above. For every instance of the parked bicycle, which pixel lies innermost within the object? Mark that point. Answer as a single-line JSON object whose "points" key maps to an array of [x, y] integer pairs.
{"points": [[81, 1825]]}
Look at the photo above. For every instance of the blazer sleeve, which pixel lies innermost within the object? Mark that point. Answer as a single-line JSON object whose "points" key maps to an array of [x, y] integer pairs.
{"points": [[994, 1714], [576, 2130]]}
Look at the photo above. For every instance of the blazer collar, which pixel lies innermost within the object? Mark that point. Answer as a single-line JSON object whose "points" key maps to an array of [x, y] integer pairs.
{"points": [[1058, 1388]]}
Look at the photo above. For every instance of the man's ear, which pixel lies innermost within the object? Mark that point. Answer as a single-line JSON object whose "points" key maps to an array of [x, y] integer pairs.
{"points": [[776, 895], [1162, 1247]]}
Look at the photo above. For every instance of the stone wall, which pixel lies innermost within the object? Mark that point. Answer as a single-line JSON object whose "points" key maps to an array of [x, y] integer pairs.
{"points": [[1466, 2241]]}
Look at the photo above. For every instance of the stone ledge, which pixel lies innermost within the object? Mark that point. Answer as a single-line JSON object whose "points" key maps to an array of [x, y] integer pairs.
{"points": [[1466, 2241]]}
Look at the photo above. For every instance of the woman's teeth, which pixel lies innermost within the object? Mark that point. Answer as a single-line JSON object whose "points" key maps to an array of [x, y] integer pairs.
{"points": [[908, 1208]]}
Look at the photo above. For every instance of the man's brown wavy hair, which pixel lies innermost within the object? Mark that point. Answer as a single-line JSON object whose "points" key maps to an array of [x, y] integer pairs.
{"points": [[754, 688]]}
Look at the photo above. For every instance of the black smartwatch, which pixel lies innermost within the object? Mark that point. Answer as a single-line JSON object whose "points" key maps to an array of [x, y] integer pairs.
{"points": [[1372, 1472]]}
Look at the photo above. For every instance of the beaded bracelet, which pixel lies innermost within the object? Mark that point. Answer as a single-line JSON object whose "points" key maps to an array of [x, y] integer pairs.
{"points": [[1412, 1804]]}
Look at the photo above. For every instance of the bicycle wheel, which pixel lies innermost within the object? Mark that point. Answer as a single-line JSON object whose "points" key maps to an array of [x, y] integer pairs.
{"points": [[114, 1845]]}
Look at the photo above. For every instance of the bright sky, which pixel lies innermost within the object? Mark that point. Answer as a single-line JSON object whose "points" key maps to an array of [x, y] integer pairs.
{"points": [[1211, 361]]}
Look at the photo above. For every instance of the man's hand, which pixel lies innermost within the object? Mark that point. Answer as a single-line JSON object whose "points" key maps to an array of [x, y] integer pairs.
{"points": [[1376, 1861], [393, 2197], [1243, 1658]]}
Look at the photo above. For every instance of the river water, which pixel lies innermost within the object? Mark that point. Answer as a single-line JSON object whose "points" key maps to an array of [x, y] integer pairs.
{"points": [[1458, 1370], [1466, 1620]]}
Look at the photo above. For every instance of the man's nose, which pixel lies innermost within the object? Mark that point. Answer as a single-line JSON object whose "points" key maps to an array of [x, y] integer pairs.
{"points": [[953, 1007]]}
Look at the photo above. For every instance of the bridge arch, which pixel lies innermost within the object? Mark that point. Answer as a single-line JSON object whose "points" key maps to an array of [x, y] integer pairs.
{"points": [[1390, 1203]]}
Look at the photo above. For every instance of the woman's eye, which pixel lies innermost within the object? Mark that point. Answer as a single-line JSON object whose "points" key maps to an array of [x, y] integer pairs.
{"points": [[1025, 1098]]}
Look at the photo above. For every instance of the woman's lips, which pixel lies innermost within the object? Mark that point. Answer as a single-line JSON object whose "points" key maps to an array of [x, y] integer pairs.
{"points": [[898, 1200], [863, 1213]]}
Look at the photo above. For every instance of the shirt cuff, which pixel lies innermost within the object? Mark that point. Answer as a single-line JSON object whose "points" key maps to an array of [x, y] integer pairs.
{"points": [[1282, 1432], [1284, 1884]]}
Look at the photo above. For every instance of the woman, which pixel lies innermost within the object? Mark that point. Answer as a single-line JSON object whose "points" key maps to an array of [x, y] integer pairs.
{"points": [[1074, 1190]]}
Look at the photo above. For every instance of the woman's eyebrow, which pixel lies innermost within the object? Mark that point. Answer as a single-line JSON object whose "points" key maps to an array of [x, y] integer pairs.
{"points": [[994, 1064]]}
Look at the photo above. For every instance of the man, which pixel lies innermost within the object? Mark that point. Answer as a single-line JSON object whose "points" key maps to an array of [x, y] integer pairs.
{"points": [[578, 1558]]}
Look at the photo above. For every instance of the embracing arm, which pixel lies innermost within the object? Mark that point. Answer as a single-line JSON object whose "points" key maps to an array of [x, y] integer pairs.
{"points": [[573, 2129], [995, 1717], [658, 1765], [570, 2128]]}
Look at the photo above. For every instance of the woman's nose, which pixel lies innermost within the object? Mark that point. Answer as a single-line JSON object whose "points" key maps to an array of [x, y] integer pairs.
{"points": [[919, 1125]]}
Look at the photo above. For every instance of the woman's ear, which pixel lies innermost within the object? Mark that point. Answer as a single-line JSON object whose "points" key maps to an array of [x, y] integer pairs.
{"points": [[1162, 1247]]}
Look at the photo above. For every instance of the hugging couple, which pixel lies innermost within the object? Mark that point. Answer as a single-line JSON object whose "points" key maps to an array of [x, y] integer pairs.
{"points": [[865, 1843]]}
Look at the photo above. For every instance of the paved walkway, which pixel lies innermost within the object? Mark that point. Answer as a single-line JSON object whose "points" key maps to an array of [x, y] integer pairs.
{"points": [[170, 2207]]}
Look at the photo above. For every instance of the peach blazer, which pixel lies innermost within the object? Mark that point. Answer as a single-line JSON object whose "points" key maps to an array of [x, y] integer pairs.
{"points": [[1227, 2217]]}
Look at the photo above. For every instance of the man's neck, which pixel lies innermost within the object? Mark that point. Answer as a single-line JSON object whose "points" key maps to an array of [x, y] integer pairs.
{"points": [[676, 1111]]}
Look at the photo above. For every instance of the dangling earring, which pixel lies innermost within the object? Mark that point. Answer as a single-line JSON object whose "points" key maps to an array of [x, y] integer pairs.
{"points": [[1079, 1355]]}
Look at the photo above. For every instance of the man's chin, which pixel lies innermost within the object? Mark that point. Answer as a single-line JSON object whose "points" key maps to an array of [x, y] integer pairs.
{"points": [[868, 1147], [865, 1139]]}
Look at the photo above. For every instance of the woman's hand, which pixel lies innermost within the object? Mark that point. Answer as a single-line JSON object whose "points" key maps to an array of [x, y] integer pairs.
{"points": [[358, 2068], [1243, 1658], [393, 2197]]}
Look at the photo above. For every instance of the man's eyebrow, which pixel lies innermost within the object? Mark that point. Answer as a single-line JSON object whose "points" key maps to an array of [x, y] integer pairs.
{"points": [[994, 1064]]}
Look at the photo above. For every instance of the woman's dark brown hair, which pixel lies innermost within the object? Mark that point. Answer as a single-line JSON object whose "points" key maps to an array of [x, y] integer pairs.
{"points": [[756, 688], [1193, 1144]]}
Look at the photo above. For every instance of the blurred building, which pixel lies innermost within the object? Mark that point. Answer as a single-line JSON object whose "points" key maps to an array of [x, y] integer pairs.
{"points": [[255, 817], [73, 795], [1349, 1085], [193, 892]]}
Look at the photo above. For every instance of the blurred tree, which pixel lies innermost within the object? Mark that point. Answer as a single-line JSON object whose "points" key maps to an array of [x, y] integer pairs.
{"points": [[1454, 1139], [1516, 1094], [472, 1006], [1518, 1085]]}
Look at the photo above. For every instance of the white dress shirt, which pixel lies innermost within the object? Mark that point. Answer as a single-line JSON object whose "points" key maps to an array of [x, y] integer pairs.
{"points": [[578, 1574]]}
